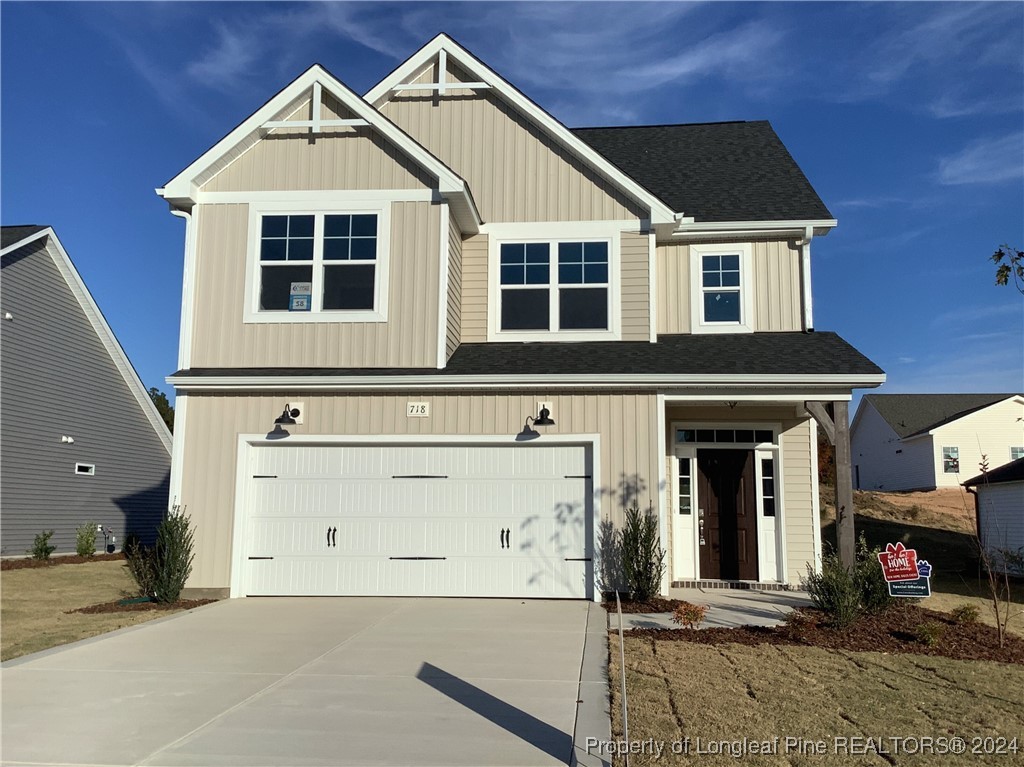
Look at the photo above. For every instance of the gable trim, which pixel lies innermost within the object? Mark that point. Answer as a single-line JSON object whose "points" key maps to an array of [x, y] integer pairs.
{"points": [[183, 189], [99, 324], [661, 213]]}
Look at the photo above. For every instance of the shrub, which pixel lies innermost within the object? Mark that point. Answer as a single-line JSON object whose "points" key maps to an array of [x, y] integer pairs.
{"points": [[690, 615], [929, 633], [870, 580], [85, 540], [41, 548], [643, 559], [965, 613], [833, 591], [160, 572]]}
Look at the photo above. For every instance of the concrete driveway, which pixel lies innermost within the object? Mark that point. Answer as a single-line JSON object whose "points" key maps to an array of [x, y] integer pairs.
{"points": [[319, 682]]}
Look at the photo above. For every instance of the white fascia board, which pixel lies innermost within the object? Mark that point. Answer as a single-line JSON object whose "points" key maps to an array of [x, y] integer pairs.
{"points": [[182, 186], [689, 228], [74, 281], [660, 212], [627, 380]]}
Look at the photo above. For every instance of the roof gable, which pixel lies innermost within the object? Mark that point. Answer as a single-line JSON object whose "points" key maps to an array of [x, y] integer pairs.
{"points": [[1008, 472], [714, 172], [910, 415], [92, 312], [443, 48], [183, 189]]}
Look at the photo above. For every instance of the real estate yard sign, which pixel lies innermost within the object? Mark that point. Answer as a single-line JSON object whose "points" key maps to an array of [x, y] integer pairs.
{"points": [[905, 574]]}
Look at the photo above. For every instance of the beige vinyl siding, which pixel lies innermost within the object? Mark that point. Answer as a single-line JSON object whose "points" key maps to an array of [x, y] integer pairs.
{"points": [[474, 289], [629, 452], [407, 339], [635, 293], [986, 434], [338, 158], [516, 171], [454, 325], [776, 280]]}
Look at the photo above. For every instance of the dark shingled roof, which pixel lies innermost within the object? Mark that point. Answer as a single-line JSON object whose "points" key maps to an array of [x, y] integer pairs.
{"points": [[12, 234], [1008, 472], [913, 414], [734, 171], [818, 353]]}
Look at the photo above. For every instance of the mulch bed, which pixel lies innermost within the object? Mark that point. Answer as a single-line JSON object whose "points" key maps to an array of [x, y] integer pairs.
{"points": [[652, 605], [117, 607], [897, 630], [74, 559]]}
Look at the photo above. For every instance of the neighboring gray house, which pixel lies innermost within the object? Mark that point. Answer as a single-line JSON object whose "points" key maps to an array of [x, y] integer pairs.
{"points": [[81, 440], [999, 506], [928, 441]]}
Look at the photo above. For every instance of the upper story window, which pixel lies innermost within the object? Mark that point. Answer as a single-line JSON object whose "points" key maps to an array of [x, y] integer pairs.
{"points": [[317, 266], [722, 280], [565, 287], [1016, 453]]}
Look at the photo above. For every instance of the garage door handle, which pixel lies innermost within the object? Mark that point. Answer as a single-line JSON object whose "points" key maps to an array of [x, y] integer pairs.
{"points": [[417, 559], [578, 559], [332, 537], [505, 538]]}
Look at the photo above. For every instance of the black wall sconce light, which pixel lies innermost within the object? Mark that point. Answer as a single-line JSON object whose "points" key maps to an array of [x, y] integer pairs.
{"points": [[543, 418], [287, 418]]}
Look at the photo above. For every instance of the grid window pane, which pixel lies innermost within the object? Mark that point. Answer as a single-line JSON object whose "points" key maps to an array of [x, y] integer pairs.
{"points": [[364, 225], [705, 435], [336, 249], [583, 309], [1016, 453], [364, 248], [685, 487], [764, 435], [744, 435], [536, 274], [685, 435], [769, 507], [525, 310], [337, 226], [725, 435], [348, 287], [276, 283], [722, 306], [275, 226], [300, 249], [273, 250], [524, 264], [570, 274]]}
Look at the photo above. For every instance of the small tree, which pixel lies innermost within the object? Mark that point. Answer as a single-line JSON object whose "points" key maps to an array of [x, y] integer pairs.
{"points": [[1009, 265], [161, 572], [163, 406], [643, 559], [41, 546], [85, 540]]}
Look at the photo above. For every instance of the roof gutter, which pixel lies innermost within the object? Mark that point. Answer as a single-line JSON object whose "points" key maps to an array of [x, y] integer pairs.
{"points": [[805, 277], [686, 227]]}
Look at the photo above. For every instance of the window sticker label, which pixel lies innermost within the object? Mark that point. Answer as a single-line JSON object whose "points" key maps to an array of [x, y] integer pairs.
{"points": [[300, 296]]}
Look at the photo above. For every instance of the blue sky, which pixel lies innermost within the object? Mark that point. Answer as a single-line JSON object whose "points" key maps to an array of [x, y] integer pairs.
{"points": [[908, 118]]}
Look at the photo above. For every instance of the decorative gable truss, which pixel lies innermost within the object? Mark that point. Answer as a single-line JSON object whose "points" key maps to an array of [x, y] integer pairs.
{"points": [[332, 106]]}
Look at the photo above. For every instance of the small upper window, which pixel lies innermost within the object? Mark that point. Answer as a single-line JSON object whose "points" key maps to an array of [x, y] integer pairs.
{"points": [[319, 266], [722, 300], [85, 469], [1016, 453], [951, 460]]}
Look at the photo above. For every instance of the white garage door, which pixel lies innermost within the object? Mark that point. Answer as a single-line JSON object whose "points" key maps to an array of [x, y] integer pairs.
{"points": [[418, 520]]}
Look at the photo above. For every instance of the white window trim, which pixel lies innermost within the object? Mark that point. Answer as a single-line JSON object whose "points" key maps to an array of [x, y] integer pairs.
{"points": [[745, 251], [379, 313], [1016, 448], [90, 470], [568, 232]]}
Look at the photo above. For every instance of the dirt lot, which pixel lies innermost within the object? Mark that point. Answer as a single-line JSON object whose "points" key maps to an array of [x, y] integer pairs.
{"points": [[724, 693]]}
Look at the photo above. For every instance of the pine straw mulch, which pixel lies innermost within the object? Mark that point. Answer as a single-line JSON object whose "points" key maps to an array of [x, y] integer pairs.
{"points": [[71, 559], [896, 630], [117, 607]]}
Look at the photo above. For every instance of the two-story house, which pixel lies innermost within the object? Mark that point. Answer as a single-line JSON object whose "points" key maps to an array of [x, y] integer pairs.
{"points": [[435, 343]]}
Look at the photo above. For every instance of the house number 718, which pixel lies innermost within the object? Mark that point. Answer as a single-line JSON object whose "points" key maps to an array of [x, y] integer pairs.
{"points": [[417, 409]]}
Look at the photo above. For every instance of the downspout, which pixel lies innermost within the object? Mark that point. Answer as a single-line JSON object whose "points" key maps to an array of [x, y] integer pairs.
{"points": [[805, 277], [184, 356]]}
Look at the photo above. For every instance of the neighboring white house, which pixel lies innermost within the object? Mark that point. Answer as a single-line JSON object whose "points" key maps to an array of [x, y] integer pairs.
{"points": [[999, 505], [926, 441]]}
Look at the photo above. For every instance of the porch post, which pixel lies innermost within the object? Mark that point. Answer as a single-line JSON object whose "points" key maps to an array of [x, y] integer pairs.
{"points": [[836, 425]]}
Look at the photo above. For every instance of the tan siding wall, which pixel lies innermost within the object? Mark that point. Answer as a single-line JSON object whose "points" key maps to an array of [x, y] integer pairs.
{"points": [[408, 338], [990, 432], [516, 172], [776, 279], [454, 329], [474, 289], [626, 423], [340, 158], [636, 286]]}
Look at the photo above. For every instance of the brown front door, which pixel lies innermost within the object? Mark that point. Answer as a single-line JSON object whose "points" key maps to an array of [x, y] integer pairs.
{"points": [[727, 505]]}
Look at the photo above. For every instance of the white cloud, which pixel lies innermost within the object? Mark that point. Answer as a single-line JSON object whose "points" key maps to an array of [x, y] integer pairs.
{"points": [[230, 61], [985, 161]]}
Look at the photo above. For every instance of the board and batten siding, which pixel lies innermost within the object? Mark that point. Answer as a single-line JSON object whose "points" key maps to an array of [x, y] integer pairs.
{"points": [[408, 339], [635, 294], [629, 452], [474, 289], [289, 159], [516, 171], [776, 279], [798, 480], [59, 380], [454, 298]]}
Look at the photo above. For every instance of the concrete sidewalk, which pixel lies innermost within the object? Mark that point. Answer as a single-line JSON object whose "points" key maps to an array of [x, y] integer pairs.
{"points": [[729, 608], [318, 682]]}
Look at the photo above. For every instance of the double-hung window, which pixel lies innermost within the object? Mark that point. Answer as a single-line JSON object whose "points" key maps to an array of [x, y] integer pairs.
{"points": [[318, 266], [722, 300], [951, 460], [555, 286]]}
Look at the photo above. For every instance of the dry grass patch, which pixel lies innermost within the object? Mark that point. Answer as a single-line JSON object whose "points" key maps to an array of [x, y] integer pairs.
{"points": [[729, 692], [34, 605]]}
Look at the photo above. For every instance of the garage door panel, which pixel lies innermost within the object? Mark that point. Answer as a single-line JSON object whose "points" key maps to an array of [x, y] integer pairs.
{"points": [[399, 534]]}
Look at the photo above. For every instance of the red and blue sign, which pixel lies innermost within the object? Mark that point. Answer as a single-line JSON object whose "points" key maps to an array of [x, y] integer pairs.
{"points": [[905, 574]]}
